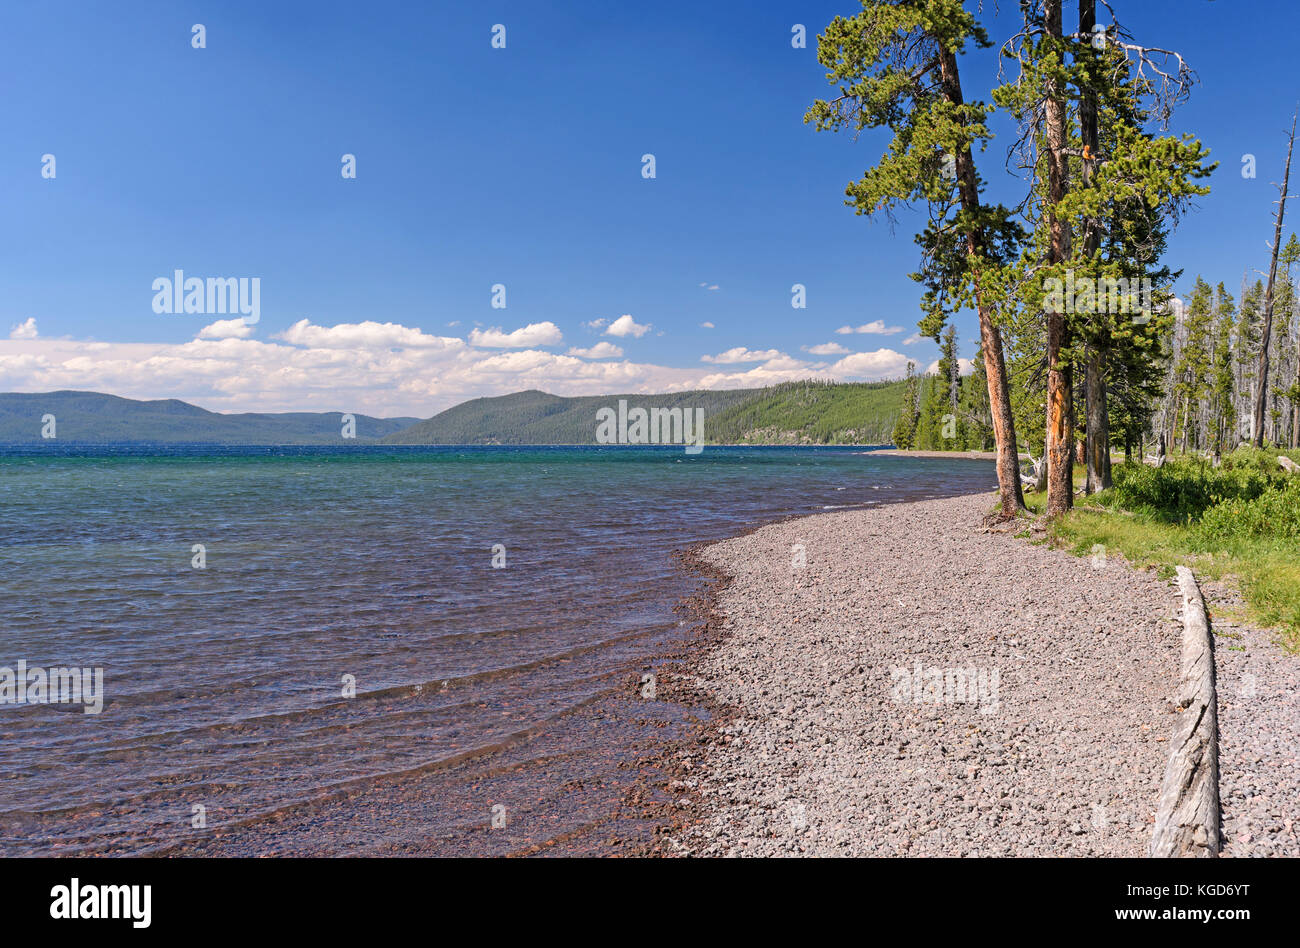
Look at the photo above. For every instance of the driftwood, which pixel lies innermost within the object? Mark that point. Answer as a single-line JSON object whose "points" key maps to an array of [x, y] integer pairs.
{"points": [[1036, 478], [1157, 459], [1187, 816], [1287, 464]]}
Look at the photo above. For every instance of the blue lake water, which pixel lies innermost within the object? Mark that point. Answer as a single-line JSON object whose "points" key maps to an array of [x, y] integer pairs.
{"points": [[224, 685]]}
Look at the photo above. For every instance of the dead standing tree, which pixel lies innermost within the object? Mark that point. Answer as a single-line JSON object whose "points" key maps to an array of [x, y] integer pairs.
{"points": [[1266, 331]]}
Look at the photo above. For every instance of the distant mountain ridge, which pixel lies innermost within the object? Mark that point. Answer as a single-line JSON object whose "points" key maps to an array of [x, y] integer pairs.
{"points": [[788, 413], [534, 417], [95, 417]]}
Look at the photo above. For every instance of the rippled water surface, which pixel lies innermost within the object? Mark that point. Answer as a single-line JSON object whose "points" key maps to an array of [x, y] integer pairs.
{"points": [[224, 685]]}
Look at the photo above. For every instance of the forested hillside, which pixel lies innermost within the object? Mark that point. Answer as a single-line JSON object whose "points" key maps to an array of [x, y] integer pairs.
{"points": [[790, 413], [812, 413], [534, 417]]}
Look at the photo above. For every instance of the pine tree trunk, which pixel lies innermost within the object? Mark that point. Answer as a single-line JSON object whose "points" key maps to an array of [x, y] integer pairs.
{"points": [[1060, 410], [1097, 453], [1098, 445], [1004, 429]]}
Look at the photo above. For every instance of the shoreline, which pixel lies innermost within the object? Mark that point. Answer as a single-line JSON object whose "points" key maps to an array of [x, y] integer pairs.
{"points": [[1069, 764], [807, 756], [969, 455]]}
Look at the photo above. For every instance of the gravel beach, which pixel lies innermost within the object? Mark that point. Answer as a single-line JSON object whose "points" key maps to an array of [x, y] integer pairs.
{"points": [[904, 682], [1259, 732]]}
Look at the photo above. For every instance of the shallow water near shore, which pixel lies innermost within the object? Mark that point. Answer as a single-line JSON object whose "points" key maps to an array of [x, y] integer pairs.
{"points": [[224, 713]]}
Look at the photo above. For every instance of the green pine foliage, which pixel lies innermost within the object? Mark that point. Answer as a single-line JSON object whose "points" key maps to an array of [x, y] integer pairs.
{"points": [[1192, 371], [905, 426]]}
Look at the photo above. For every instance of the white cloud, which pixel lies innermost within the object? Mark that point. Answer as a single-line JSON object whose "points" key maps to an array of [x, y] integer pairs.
{"points": [[876, 327], [627, 326], [596, 323], [24, 330], [741, 354], [757, 377], [912, 339], [709, 286], [870, 366], [368, 334], [601, 350], [534, 334], [825, 349], [964, 366], [707, 325], [226, 329], [785, 363]]}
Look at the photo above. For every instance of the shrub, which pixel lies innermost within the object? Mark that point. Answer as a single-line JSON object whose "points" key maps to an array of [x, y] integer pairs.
{"points": [[1274, 513], [1184, 488]]}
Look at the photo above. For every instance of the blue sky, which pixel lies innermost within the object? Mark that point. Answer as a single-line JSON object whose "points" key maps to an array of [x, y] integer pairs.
{"points": [[519, 166]]}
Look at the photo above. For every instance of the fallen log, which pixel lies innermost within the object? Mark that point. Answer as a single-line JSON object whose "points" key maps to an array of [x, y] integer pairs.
{"points": [[1287, 464], [1187, 815]]}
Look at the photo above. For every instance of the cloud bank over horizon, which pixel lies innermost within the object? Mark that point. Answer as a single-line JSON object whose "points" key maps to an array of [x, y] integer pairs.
{"points": [[386, 368]]}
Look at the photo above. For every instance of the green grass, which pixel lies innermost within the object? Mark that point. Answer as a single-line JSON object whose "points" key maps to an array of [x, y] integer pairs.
{"points": [[1239, 523]]}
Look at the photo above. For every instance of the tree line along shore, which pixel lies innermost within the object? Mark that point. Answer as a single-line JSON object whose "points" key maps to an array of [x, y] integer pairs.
{"points": [[1085, 346]]}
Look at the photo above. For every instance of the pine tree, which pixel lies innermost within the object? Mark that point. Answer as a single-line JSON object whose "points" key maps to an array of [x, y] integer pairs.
{"points": [[1087, 174], [905, 427], [896, 66], [1247, 355], [930, 421], [1223, 409], [1192, 371], [976, 423]]}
